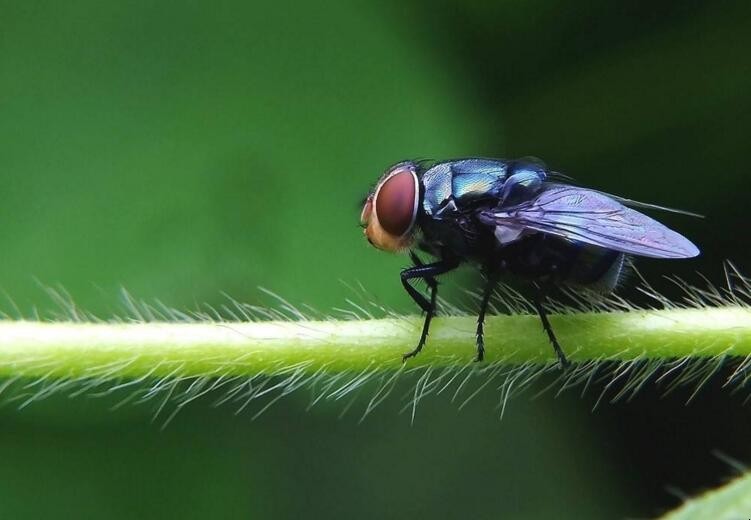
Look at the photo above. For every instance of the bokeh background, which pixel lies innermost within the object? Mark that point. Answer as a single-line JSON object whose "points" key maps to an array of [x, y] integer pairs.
{"points": [[183, 150]]}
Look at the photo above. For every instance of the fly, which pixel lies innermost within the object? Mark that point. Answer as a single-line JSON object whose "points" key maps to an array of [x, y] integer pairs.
{"points": [[508, 217]]}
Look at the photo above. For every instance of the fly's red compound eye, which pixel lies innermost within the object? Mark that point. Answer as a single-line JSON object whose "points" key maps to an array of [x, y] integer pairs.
{"points": [[396, 202]]}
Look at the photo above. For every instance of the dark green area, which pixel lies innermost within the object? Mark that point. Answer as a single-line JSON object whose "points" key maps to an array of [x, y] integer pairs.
{"points": [[185, 149]]}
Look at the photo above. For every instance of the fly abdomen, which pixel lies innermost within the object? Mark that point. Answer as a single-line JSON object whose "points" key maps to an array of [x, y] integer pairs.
{"points": [[550, 259], [597, 269]]}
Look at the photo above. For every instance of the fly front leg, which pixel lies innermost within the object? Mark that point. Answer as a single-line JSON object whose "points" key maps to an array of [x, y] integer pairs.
{"points": [[540, 306], [427, 272]]}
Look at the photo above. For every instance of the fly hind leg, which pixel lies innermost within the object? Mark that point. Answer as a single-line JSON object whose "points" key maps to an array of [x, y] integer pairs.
{"points": [[539, 302]]}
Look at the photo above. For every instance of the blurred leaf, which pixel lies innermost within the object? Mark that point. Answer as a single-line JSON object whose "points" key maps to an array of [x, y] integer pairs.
{"points": [[182, 150], [730, 502]]}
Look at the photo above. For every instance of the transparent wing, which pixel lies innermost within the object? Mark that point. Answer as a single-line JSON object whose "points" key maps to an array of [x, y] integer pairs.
{"points": [[594, 218]]}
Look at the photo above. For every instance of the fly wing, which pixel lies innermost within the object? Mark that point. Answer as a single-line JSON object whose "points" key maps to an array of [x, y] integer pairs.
{"points": [[594, 218]]}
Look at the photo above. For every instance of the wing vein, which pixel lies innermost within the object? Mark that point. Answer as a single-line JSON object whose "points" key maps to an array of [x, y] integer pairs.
{"points": [[593, 217]]}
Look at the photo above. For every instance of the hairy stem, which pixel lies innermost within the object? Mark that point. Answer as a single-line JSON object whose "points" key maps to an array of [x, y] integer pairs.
{"points": [[79, 350]]}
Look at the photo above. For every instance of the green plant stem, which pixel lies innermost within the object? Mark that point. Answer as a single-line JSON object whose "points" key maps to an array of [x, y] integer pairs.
{"points": [[62, 349]]}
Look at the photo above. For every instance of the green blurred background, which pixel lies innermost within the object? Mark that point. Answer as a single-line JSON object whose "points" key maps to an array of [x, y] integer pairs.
{"points": [[186, 149]]}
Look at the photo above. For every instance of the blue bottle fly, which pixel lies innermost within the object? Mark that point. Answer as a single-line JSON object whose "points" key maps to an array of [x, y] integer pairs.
{"points": [[508, 217]]}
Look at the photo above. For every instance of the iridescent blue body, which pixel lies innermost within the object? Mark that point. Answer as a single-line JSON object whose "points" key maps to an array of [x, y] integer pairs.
{"points": [[453, 191], [509, 217]]}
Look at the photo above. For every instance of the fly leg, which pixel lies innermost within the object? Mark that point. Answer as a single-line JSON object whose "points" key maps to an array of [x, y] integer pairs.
{"points": [[427, 272], [540, 306], [489, 286]]}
